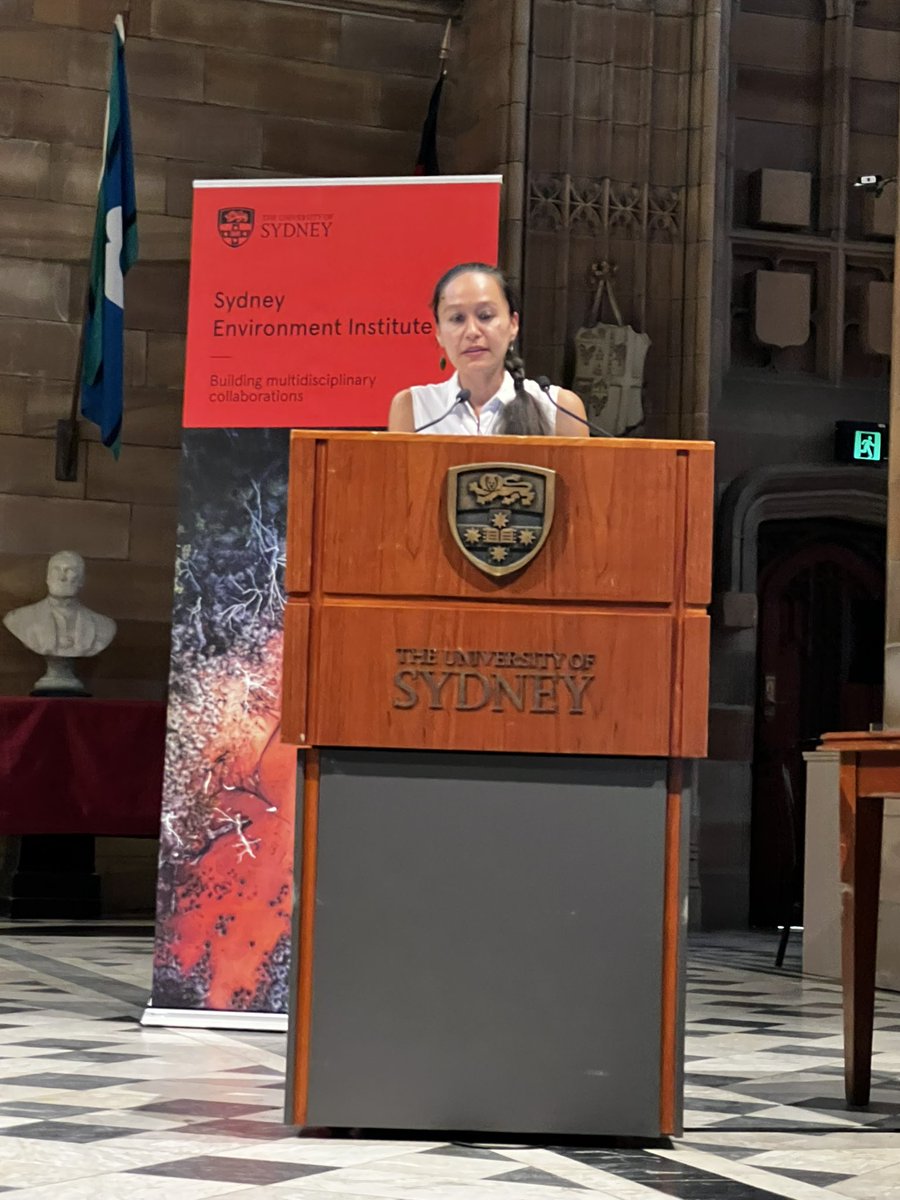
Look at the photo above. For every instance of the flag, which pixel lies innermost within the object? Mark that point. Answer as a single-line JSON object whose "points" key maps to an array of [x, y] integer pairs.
{"points": [[427, 159], [114, 249]]}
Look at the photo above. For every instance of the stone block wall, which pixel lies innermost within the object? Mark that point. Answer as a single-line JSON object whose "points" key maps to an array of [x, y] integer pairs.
{"points": [[219, 89], [486, 108], [621, 167]]}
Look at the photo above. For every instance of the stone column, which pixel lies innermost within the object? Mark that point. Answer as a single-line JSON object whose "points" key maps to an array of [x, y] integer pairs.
{"points": [[690, 416], [892, 599]]}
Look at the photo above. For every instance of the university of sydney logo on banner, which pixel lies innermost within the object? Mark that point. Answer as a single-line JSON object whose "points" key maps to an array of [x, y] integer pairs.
{"points": [[235, 226]]}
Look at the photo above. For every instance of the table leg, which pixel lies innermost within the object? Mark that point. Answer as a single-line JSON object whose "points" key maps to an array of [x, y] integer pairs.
{"points": [[861, 821]]}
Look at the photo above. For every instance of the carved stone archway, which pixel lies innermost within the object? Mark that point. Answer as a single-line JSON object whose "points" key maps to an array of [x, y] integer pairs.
{"points": [[800, 492]]}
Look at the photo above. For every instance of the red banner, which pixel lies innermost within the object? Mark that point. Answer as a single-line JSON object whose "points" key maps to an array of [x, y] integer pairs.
{"points": [[309, 306], [309, 300]]}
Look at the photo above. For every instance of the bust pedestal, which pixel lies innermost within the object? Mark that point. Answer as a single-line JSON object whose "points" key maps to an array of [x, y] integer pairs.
{"points": [[59, 679]]}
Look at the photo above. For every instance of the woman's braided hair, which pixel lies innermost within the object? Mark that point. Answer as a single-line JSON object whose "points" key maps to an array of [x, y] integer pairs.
{"points": [[522, 416]]}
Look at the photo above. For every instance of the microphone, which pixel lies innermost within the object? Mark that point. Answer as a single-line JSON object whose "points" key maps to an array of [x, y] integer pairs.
{"points": [[544, 384], [462, 397]]}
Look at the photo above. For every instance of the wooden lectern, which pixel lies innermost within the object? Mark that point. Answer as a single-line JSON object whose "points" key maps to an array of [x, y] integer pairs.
{"points": [[496, 662]]}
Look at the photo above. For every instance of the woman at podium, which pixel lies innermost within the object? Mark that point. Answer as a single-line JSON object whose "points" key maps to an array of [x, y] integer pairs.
{"points": [[477, 321]]}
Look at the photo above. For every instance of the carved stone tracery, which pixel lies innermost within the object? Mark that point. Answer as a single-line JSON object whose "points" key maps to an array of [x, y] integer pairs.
{"points": [[639, 211]]}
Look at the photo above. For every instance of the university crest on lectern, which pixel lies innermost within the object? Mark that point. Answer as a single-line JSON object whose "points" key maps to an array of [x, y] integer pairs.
{"points": [[500, 513]]}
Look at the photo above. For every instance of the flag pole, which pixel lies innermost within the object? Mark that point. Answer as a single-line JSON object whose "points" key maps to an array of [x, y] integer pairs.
{"points": [[67, 430], [67, 438], [427, 157]]}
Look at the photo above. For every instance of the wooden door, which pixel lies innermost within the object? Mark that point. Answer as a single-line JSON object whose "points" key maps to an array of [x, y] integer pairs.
{"points": [[819, 668]]}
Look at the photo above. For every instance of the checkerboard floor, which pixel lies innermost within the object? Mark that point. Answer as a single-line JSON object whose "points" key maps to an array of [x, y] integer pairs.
{"points": [[194, 1113]]}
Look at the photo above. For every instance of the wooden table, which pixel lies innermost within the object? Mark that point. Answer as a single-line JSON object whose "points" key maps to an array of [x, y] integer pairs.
{"points": [[870, 770]]}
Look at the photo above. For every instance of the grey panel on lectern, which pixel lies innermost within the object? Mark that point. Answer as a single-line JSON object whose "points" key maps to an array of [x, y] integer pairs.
{"points": [[488, 943], [295, 936]]}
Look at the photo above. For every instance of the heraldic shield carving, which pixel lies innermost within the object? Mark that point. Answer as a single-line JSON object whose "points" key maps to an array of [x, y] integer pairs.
{"points": [[500, 513]]}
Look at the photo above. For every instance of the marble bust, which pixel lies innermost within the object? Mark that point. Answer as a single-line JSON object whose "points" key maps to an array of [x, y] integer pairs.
{"points": [[60, 627]]}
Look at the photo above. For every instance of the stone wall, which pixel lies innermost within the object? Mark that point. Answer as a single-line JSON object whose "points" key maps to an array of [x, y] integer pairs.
{"points": [[219, 89], [621, 167], [486, 107]]}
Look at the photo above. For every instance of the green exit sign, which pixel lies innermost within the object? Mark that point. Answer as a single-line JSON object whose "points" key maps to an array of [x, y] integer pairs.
{"points": [[864, 442]]}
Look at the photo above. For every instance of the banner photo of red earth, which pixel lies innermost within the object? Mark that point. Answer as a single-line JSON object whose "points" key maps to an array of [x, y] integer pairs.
{"points": [[227, 834]]}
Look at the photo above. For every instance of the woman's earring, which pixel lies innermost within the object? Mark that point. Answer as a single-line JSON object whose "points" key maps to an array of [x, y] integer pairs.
{"points": [[443, 363]]}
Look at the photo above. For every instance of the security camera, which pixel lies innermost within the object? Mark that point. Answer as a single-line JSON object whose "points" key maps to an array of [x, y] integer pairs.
{"points": [[873, 183]]}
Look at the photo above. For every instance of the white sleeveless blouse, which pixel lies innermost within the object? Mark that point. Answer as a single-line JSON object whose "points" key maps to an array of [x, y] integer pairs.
{"points": [[434, 402]]}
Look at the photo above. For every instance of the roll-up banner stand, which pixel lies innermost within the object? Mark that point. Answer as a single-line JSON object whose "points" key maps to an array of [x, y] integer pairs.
{"points": [[309, 307]]}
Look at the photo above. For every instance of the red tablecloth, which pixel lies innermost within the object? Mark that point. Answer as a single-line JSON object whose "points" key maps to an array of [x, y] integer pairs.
{"points": [[81, 766]]}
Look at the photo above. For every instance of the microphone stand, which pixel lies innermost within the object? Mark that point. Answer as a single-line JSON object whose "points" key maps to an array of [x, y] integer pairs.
{"points": [[544, 384], [462, 397]]}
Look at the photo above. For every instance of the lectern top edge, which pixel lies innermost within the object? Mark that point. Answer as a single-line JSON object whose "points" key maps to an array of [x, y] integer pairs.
{"points": [[362, 435]]}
